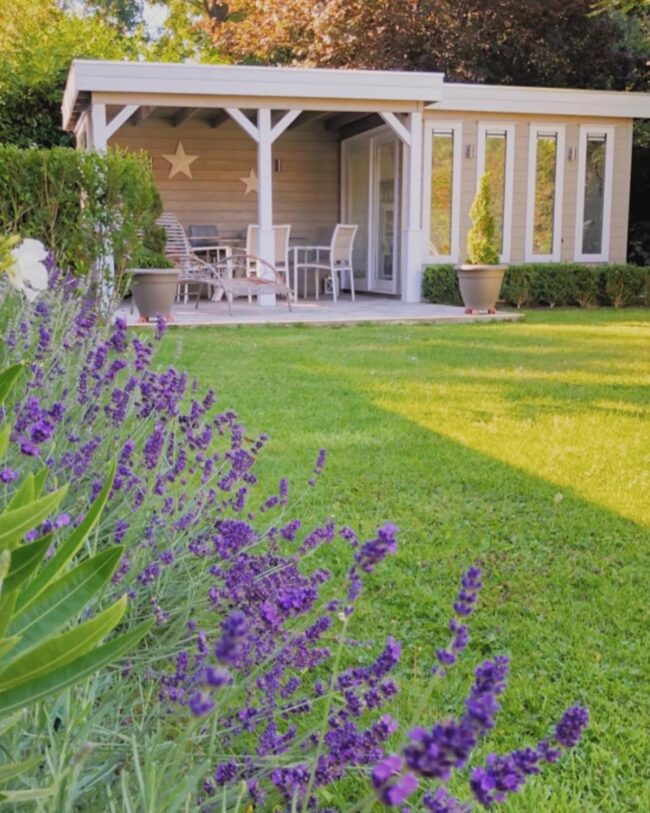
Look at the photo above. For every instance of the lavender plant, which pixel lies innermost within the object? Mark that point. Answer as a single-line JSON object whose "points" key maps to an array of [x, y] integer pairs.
{"points": [[248, 672]]}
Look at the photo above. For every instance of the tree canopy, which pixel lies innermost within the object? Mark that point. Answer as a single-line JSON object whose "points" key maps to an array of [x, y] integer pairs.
{"points": [[506, 41], [38, 40]]}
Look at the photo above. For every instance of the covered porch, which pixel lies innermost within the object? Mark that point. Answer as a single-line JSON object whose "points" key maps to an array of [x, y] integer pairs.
{"points": [[233, 146]]}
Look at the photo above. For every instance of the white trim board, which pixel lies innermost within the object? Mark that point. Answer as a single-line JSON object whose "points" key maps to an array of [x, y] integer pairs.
{"points": [[608, 131], [535, 101], [456, 128], [140, 79], [509, 129], [559, 130]]}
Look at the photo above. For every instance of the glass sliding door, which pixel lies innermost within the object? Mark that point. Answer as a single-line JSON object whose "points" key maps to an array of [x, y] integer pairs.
{"points": [[358, 205], [370, 166], [383, 277], [545, 188]]}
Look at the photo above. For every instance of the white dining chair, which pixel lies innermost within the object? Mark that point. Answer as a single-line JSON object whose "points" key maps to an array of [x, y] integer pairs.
{"points": [[281, 235], [336, 261]]}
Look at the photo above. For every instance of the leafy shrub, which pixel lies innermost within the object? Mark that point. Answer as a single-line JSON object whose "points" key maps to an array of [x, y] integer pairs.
{"points": [[82, 205], [482, 237], [553, 285], [248, 693], [440, 284], [516, 288], [571, 284], [585, 286], [622, 285]]}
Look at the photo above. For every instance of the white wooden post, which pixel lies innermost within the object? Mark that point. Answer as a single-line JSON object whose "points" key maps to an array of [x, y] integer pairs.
{"points": [[412, 225], [264, 135], [104, 271], [266, 240], [99, 134]]}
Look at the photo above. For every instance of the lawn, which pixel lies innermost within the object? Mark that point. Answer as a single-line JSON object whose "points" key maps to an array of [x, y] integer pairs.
{"points": [[523, 445]]}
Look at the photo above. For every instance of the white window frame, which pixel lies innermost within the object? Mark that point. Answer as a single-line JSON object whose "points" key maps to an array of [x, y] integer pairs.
{"points": [[508, 128], [559, 131], [456, 130], [608, 131]]}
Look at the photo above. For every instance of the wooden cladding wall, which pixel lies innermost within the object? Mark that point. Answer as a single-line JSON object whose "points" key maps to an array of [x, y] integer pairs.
{"points": [[306, 190]]}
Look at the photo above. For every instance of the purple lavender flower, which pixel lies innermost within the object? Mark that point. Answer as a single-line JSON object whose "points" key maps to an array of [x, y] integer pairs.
{"points": [[393, 787], [568, 731], [440, 801], [8, 475]]}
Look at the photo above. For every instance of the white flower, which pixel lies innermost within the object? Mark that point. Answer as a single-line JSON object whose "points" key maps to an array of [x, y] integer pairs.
{"points": [[27, 272]]}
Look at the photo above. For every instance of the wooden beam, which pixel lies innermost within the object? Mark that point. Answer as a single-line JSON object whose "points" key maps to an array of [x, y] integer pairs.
{"points": [[283, 123], [245, 123], [218, 119], [120, 118], [397, 126], [142, 114], [184, 115], [309, 116], [336, 122]]}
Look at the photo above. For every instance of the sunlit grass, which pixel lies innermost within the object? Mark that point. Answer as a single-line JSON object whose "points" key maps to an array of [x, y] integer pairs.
{"points": [[464, 436]]}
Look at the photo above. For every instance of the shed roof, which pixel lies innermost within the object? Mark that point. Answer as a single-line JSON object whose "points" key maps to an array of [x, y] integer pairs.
{"points": [[543, 100], [160, 80]]}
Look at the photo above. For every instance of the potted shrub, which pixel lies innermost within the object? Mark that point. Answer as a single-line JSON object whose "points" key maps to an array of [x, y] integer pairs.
{"points": [[154, 278], [481, 277]]}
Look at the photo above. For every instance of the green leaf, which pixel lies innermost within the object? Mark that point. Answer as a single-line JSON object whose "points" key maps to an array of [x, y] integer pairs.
{"points": [[24, 494], [72, 672], [18, 796], [7, 644], [16, 768], [15, 524], [8, 378], [5, 434], [7, 605], [40, 478], [9, 722], [63, 600], [70, 547], [25, 560], [56, 652]]}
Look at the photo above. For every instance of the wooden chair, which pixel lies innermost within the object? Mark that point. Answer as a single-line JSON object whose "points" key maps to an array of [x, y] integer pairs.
{"points": [[337, 260], [236, 279]]}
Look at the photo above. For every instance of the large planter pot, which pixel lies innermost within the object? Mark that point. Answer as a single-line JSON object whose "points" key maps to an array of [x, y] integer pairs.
{"points": [[480, 286], [154, 291]]}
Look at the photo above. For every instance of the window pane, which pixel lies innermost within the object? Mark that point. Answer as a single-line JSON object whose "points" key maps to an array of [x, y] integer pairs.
{"points": [[442, 184], [386, 170], [495, 164], [592, 223], [545, 184]]}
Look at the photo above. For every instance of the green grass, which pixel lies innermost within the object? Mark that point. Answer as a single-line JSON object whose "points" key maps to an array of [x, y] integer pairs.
{"points": [[524, 445]]}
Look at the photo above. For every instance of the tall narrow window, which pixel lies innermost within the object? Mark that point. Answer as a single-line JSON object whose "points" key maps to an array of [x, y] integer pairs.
{"points": [[596, 157], [496, 152], [545, 183], [443, 156]]}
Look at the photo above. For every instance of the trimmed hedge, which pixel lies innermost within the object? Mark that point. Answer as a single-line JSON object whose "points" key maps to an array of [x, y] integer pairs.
{"points": [[552, 285], [440, 284], [82, 205]]}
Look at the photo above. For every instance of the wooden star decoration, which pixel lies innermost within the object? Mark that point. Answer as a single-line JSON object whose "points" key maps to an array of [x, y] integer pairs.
{"points": [[180, 162], [250, 181]]}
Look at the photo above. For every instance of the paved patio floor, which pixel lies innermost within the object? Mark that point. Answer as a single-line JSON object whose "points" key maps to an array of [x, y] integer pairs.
{"points": [[321, 312]]}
